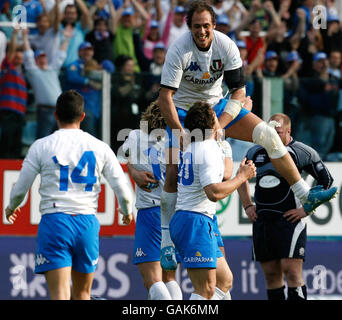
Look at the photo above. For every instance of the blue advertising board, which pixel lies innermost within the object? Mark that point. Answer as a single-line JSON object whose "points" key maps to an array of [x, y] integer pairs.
{"points": [[117, 278]]}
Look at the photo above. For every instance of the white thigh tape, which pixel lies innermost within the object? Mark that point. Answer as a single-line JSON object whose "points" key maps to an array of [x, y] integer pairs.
{"points": [[233, 107]]}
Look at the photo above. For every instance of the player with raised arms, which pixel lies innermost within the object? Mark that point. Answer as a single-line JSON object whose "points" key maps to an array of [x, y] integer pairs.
{"points": [[195, 66]]}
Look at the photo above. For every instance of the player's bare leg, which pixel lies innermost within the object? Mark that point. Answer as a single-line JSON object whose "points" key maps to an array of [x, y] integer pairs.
{"points": [[224, 280], [293, 270], [152, 277], [274, 278], [252, 128], [172, 285], [168, 200], [58, 282], [81, 285], [204, 283]]}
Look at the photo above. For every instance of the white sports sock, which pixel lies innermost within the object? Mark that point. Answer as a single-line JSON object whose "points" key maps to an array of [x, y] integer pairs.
{"points": [[220, 295], [174, 290], [167, 208], [159, 291], [301, 190], [195, 296]]}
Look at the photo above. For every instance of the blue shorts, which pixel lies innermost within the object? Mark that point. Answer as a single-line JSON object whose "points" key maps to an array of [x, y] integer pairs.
{"points": [[147, 240], [217, 232], [172, 141], [194, 238], [66, 240]]}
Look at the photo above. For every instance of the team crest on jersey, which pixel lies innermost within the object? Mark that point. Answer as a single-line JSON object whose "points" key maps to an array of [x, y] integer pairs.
{"points": [[216, 66], [193, 66]]}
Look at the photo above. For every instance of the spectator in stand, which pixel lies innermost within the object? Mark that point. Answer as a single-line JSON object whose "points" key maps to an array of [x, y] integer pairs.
{"points": [[319, 99], [307, 6], [127, 98], [335, 60], [332, 36], [127, 37], [44, 80], [13, 99], [102, 36], [153, 32], [256, 46], [47, 37], [34, 9], [271, 64], [236, 12], [277, 40], [83, 76], [155, 70], [178, 26], [310, 44], [80, 28]]}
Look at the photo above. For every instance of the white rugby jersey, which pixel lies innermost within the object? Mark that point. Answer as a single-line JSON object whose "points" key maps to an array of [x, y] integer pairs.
{"points": [[71, 162], [197, 75], [146, 153], [202, 164]]}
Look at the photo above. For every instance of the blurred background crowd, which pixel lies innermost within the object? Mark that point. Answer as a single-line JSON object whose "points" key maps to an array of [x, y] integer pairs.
{"points": [[69, 43]]}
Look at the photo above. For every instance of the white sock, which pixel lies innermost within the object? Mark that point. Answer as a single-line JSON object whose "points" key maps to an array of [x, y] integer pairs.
{"points": [[159, 291], [195, 296], [220, 295], [167, 208], [301, 190], [174, 290]]}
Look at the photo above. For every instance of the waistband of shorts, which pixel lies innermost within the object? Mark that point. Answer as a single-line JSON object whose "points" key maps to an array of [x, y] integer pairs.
{"points": [[148, 209], [193, 212]]}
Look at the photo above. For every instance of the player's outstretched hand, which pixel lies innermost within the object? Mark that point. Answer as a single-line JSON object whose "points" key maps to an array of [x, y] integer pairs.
{"points": [[247, 169], [11, 215], [294, 215]]}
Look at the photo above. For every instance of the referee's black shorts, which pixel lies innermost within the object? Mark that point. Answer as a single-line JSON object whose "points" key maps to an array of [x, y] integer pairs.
{"points": [[276, 238]]}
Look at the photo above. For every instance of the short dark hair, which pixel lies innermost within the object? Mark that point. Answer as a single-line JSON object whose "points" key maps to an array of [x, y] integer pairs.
{"points": [[200, 116], [199, 6], [70, 106]]}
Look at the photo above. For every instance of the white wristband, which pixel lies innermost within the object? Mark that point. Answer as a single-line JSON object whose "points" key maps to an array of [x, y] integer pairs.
{"points": [[233, 107]]}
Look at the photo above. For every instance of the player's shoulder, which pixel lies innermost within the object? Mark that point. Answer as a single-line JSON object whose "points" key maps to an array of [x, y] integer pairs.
{"points": [[182, 44], [222, 39], [302, 149]]}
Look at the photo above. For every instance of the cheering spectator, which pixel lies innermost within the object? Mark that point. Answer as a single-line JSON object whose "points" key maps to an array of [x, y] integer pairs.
{"points": [[271, 64], [102, 36], [43, 78], [335, 60], [332, 36], [13, 99], [83, 76], [47, 37], [127, 37], [178, 25], [80, 28]]}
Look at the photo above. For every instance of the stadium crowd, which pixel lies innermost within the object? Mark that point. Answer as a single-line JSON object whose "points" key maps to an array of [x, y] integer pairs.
{"points": [[74, 40]]}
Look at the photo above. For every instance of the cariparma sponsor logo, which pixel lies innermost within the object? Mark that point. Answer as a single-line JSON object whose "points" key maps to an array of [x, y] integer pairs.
{"points": [[195, 80], [198, 258]]}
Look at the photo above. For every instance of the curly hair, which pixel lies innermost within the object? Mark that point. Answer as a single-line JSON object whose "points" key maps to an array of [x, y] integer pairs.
{"points": [[153, 117], [200, 116], [199, 6]]}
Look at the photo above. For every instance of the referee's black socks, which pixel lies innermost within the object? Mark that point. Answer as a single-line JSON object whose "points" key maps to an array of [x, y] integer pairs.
{"points": [[297, 293], [293, 293], [276, 294]]}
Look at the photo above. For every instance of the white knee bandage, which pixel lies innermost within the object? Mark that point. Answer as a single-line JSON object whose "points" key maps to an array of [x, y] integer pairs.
{"points": [[266, 136], [233, 107]]}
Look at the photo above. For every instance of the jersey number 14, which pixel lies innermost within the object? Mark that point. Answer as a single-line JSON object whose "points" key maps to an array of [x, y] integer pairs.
{"points": [[88, 158]]}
